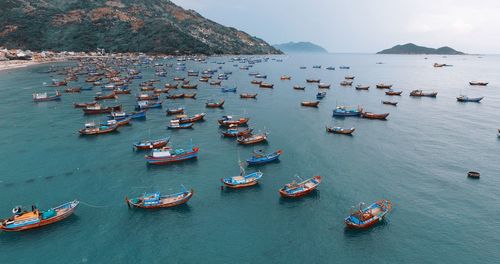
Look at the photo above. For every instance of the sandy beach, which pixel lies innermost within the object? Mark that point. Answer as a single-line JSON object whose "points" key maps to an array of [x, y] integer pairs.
{"points": [[14, 64]]}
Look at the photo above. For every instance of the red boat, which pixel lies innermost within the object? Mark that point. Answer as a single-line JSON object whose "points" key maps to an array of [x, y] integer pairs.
{"points": [[294, 189], [185, 119], [248, 96], [84, 105], [370, 115], [98, 109], [393, 92], [101, 96], [212, 104], [230, 121], [151, 144], [310, 103], [252, 139], [234, 131]]}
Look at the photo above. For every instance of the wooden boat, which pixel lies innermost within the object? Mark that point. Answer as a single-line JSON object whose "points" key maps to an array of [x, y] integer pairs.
{"points": [[215, 82], [266, 85], [175, 111], [393, 93], [474, 174], [141, 105], [420, 93], [464, 98], [256, 82], [84, 105], [362, 87], [213, 104], [248, 96], [168, 155], [45, 97], [230, 121], [324, 86], [384, 86], [228, 90], [346, 83], [234, 131], [299, 87], [252, 139], [189, 86], [157, 200], [340, 130], [193, 73], [478, 83], [93, 129], [116, 122], [171, 85], [151, 144], [320, 95], [285, 78], [22, 221], [371, 115], [185, 119], [147, 89], [390, 103], [121, 91], [176, 124], [243, 180], [347, 111], [73, 90], [191, 95], [312, 80], [175, 96], [101, 96], [261, 158], [204, 80], [147, 97], [349, 77], [310, 103], [98, 109], [295, 190], [367, 217], [56, 83], [177, 78]]}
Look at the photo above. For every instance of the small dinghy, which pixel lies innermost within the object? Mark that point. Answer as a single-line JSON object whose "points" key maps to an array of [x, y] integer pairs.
{"points": [[310, 103], [367, 217], [371, 115], [298, 189]]}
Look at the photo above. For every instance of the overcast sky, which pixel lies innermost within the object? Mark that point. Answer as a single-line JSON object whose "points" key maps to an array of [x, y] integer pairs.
{"points": [[362, 25]]}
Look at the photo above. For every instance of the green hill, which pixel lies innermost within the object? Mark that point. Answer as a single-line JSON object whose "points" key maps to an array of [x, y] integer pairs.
{"points": [[411, 48], [300, 47]]}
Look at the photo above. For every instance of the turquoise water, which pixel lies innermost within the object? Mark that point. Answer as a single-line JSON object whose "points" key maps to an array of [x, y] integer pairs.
{"points": [[418, 159]]}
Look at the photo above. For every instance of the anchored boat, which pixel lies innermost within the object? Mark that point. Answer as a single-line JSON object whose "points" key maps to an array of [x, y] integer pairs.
{"points": [[261, 158], [294, 189], [367, 217], [157, 200]]}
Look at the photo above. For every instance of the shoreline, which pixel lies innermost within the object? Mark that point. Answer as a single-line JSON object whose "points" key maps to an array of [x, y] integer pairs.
{"points": [[18, 64]]}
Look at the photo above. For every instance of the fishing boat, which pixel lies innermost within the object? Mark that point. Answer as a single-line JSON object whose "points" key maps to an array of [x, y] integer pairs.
{"points": [[371, 115], [116, 122], [168, 155], [231, 121], [324, 86], [320, 95], [310, 103], [299, 87], [118, 115], [215, 82], [141, 105], [100, 96], [243, 180], [346, 83], [298, 189], [261, 76], [259, 157], [45, 97], [171, 85], [347, 111], [84, 105], [203, 79], [235, 131], [367, 217], [349, 77], [393, 93], [248, 96], [213, 104], [285, 78], [312, 80], [24, 220], [316, 66], [147, 97], [121, 90], [56, 83], [157, 200], [185, 119], [190, 95], [228, 90], [420, 93], [384, 86], [151, 144], [97, 109], [390, 103], [340, 130], [93, 129], [255, 82], [177, 78], [189, 86], [266, 85], [330, 68], [465, 98], [478, 83], [73, 90], [362, 87], [176, 124], [344, 67], [252, 139], [175, 96], [175, 111]]}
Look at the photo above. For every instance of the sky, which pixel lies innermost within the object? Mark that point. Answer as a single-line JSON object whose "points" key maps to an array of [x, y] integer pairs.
{"points": [[362, 25]]}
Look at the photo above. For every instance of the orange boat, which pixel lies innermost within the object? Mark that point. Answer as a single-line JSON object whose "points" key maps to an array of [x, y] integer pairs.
{"points": [[285, 77], [310, 103], [212, 104], [371, 115]]}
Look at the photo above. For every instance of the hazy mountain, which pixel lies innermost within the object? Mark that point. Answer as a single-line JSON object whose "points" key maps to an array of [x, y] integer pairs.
{"points": [[119, 25], [411, 48], [300, 47]]}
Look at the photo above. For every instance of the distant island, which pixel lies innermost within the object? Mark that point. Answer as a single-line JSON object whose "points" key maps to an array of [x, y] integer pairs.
{"points": [[149, 26], [411, 48], [300, 47]]}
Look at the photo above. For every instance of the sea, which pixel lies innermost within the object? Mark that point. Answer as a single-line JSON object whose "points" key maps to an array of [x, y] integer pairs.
{"points": [[418, 159]]}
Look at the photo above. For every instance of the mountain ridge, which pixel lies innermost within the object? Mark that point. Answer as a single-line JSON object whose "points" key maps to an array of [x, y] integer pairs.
{"points": [[411, 48], [300, 47]]}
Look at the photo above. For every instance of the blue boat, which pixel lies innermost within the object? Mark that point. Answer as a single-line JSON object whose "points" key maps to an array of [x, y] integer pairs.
{"points": [[123, 115], [228, 90], [259, 158], [141, 105], [242, 180], [367, 217], [320, 95], [88, 88], [347, 111]]}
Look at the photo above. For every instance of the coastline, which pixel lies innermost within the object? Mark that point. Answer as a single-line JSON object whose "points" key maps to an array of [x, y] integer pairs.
{"points": [[17, 64]]}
